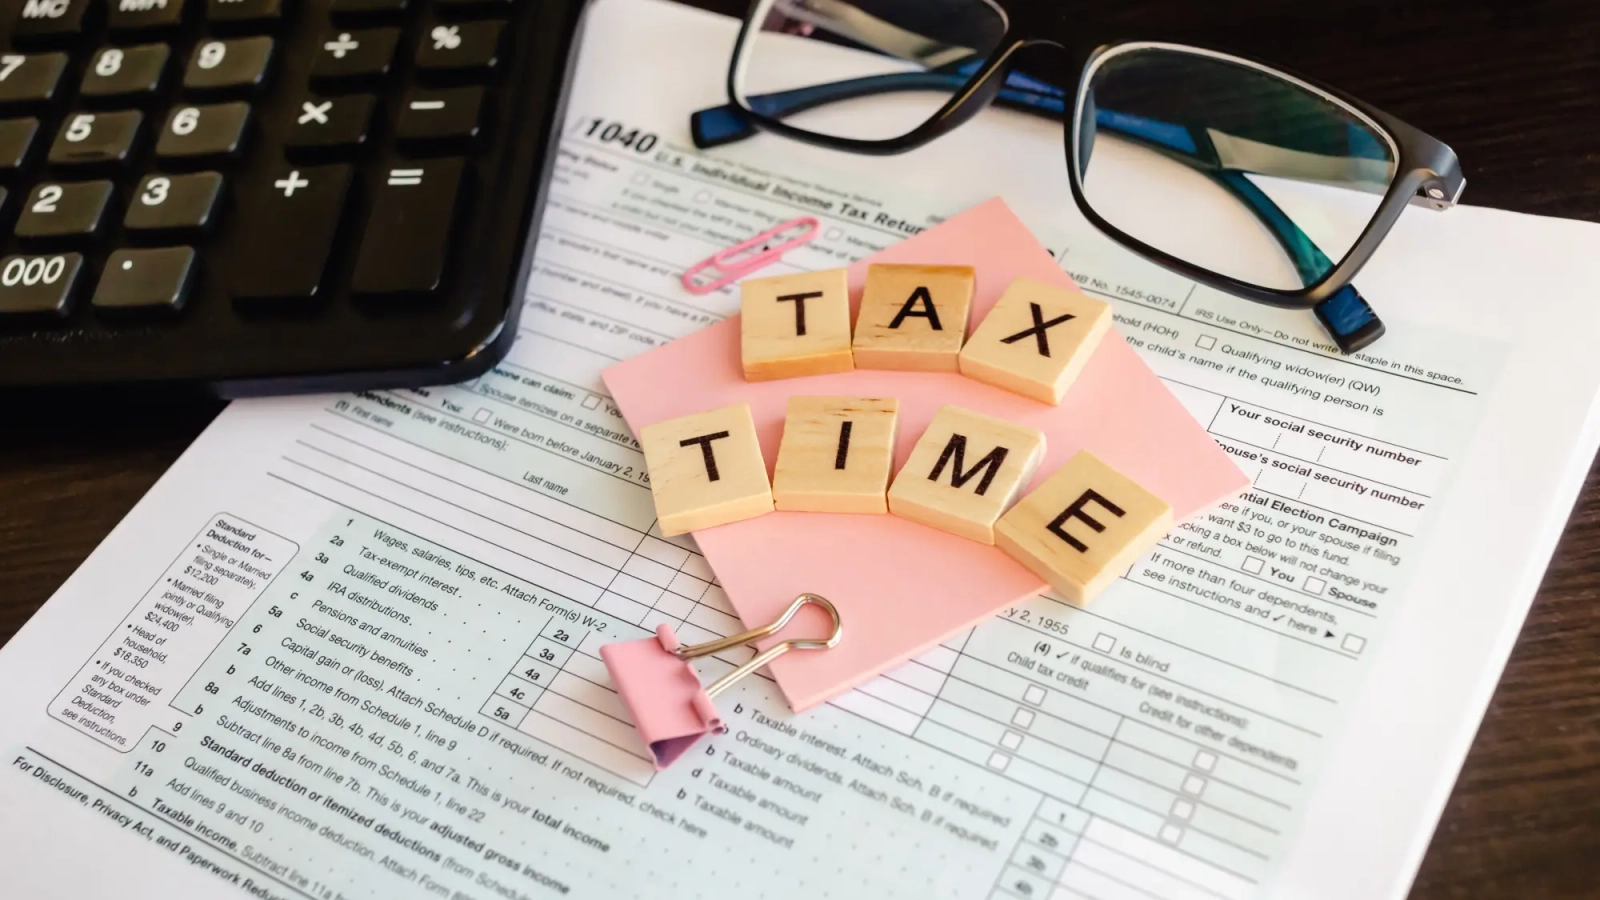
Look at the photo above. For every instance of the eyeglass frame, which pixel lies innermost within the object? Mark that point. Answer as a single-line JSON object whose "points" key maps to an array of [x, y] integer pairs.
{"points": [[1427, 172]]}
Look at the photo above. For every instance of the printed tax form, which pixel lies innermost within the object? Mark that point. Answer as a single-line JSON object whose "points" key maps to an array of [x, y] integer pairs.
{"points": [[347, 647]]}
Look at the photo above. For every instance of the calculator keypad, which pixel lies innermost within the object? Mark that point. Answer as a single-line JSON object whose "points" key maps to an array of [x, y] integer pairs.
{"points": [[243, 162]]}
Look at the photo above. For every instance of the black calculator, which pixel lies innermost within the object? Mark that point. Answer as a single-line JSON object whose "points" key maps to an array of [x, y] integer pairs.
{"points": [[271, 196]]}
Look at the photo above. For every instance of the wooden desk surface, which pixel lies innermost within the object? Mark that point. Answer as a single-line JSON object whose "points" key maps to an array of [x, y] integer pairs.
{"points": [[1516, 91]]}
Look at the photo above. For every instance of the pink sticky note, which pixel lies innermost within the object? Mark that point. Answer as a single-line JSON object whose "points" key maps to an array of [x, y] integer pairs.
{"points": [[901, 587]]}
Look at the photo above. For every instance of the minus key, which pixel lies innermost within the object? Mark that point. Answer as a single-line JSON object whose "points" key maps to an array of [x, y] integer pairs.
{"points": [[440, 115]]}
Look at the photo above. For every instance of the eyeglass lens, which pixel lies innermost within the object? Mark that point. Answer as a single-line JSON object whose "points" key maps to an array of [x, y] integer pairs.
{"points": [[1227, 166], [863, 69]]}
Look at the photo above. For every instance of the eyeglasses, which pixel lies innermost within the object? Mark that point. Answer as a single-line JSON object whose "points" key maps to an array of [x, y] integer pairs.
{"points": [[1233, 173]]}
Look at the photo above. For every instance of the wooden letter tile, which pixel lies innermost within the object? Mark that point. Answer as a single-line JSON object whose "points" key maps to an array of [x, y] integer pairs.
{"points": [[836, 455], [794, 325], [1036, 340], [913, 317], [1083, 527], [964, 471], [706, 469]]}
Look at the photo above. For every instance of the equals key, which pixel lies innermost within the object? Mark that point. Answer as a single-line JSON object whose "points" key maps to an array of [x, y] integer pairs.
{"points": [[406, 243]]}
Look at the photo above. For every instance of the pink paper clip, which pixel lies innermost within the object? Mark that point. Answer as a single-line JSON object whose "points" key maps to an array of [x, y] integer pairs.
{"points": [[727, 266], [670, 708]]}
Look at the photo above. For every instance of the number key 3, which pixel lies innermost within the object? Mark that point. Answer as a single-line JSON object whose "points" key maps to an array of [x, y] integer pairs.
{"points": [[174, 202]]}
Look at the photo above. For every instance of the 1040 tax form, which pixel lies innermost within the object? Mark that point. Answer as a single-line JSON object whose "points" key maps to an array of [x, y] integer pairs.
{"points": [[348, 646]]}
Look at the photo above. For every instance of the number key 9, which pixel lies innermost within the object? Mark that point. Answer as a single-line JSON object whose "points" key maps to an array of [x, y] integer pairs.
{"points": [[240, 63]]}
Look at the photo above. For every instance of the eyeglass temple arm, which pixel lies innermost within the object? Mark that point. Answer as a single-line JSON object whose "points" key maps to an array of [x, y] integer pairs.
{"points": [[1346, 314]]}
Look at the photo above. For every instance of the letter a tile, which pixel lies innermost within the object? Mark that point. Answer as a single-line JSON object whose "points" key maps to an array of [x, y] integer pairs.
{"points": [[964, 471], [836, 455], [794, 325], [706, 469], [1036, 340], [913, 317], [1083, 527]]}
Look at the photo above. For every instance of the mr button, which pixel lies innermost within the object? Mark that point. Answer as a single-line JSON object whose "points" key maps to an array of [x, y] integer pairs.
{"points": [[706, 469], [795, 325], [964, 471], [913, 318], [1036, 340], [1082, 527]]}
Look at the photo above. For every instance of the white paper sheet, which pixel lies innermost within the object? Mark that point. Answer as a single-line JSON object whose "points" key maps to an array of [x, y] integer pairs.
{"points": [[346, 646]]}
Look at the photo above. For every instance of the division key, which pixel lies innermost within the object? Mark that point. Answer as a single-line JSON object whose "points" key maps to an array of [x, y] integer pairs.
{"points": [[288, 222]]}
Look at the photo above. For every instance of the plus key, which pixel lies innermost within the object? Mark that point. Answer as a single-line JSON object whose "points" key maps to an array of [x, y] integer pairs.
{"points": [[295, 215]]}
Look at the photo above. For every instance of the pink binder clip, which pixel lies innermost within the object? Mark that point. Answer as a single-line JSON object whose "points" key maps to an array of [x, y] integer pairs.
{"points": [[727, 266], [669, 707]]}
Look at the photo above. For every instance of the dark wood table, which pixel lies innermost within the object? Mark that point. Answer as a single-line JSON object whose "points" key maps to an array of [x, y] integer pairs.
{"points": [[1515, 90]]}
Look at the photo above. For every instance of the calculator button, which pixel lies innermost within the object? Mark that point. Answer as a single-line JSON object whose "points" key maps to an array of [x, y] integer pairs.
{"points": [[90, 138], [26, 78], [139, 15], [440, 115], [408, 231], [243, 10], [328, 122], [174, 202], [64, 209], [38, 284], [241, 62], [294, 215], [116, 71], [360, 53], [49, 18], [353, 8], [464, 45], [16, 136], [155, 280], [214, 130]]}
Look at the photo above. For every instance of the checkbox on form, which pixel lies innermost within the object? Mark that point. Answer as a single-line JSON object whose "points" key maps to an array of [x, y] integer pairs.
{"points": [[1034, 694], [1253, 564], [1023, 718], [1205, 342], [1315, 585], [1105, 643], [481, 416]]}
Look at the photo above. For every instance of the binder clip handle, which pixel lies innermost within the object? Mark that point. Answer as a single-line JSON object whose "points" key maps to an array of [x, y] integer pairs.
{"points": [[767, 630], [670, 708]]}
